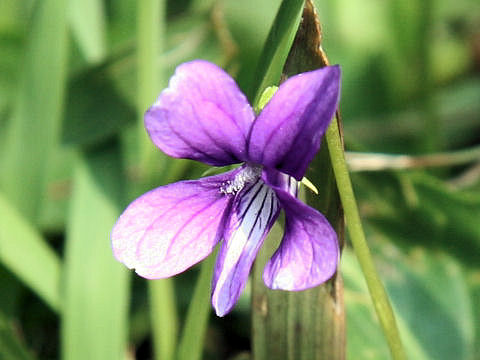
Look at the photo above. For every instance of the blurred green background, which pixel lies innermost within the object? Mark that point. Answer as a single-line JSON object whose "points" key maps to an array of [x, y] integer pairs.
{"points": [[75, 79]]}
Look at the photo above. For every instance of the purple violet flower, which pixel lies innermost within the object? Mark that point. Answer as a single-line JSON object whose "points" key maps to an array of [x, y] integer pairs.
{"points": [[204, 116]]}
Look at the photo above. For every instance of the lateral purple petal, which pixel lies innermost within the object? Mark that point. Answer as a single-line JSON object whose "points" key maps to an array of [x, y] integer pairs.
{"points": [[288, 132], [173, 227], [253, 213], [202, 115], [308, 253]]}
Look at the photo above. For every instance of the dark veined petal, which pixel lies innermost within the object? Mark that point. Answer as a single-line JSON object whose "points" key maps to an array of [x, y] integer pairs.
{"points": [[253, 213], [173, 227], [308, 253], [288, 132], [202, 115]]}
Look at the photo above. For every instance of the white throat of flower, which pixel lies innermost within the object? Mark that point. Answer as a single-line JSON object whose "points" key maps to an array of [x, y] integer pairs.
{"points": [[247, 175]]}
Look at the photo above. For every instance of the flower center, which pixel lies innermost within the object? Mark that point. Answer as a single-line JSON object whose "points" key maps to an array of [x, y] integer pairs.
{"points": [[249, 174]]}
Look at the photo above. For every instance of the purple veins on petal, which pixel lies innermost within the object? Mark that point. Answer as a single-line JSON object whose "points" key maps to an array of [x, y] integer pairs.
{"points": [[202, 115], [287, 133], [173, 227], [308, 253], [253, 212]]}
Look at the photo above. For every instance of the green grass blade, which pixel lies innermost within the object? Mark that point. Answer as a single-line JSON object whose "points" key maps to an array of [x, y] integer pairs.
{"points": [[196, 323], [32, 133], [277, 46], [86, 18], [150, 41], [25, 253], [95, 308], [10, 346]]}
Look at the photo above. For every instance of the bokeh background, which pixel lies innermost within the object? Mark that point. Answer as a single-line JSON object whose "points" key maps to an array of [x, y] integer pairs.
{"points": [[75, 78]]}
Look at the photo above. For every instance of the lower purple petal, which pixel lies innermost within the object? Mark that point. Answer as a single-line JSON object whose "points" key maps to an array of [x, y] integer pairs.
{"points": [[308, 253], [173, 227], [253, 213]]}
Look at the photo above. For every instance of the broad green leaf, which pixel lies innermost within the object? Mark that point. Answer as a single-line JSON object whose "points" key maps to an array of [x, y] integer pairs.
{"points": [[431, 300], [27, 256], [424, 211], [365, 338], [87, 22], [32, 131], [94, 322], [10, 345]]}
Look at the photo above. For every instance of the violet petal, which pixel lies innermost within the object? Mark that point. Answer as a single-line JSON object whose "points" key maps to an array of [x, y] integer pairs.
{"points": [[308, 253], [173, 227], [281, 180], [253, 213], [288, 132], [202, 115]]}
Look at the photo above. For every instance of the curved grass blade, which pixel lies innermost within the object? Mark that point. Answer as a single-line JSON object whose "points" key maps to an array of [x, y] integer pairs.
{"points": [[26, 254], [277, 46]]}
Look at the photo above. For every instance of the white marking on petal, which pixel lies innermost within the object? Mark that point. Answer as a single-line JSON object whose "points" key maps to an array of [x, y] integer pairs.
{"points": [[257, 207]]}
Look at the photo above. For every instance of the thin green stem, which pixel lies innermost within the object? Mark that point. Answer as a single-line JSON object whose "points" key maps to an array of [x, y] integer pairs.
{"points": [[377, 292], [150, 36], [164, 318], [196, 322]]}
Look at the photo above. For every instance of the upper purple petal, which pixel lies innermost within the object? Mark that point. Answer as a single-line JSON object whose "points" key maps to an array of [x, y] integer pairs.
{"points": [[308, 253], [173, 227], [253, 213], [202, 115], [288, 132]]}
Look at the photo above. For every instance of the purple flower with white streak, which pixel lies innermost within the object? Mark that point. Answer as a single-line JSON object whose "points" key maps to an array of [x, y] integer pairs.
{"points": [[204, 116]]}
